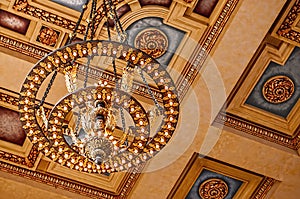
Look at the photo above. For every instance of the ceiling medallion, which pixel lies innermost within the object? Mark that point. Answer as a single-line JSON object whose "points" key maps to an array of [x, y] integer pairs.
{"points": [[278, 89], [152, 41], [213, 189], [100, 128]]}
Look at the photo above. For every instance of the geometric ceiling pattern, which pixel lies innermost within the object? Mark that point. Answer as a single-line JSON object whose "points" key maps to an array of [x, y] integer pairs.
{"points": [[262, 103]]}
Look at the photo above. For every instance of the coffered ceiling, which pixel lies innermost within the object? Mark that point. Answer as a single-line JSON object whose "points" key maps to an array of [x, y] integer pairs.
{"points": [[236, 67]]}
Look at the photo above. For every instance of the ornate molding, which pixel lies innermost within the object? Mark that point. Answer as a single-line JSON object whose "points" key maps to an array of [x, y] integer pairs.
{"points": [[258, 131], [264, 188], [71, 185], [28, 161], [286, 28], [23, 6], [22, 47], [201, 52]]}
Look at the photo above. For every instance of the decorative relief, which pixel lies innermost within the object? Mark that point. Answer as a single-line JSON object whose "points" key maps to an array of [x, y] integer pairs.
{"points": [[71, 185], [9, 99], [23, 6], [26, 161], [278, 89], [152, 41], [213, 189], [286, 28], [22, 47], [48, 36], [264, 188], [258, 131]]}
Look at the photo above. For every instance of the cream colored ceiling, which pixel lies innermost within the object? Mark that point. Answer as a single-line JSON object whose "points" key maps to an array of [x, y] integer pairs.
{"points": [[228, 58]]}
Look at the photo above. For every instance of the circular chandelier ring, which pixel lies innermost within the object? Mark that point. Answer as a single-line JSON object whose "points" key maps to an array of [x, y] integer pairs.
{"points": [[59, 60]]}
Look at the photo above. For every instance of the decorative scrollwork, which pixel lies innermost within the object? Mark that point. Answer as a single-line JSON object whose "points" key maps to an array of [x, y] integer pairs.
{"points": [[152, 41], [278, 89], [213, 189]]}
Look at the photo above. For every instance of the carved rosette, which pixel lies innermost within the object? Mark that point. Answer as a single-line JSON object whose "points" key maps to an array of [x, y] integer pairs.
{"points": [[213, 189], [48, 36], [152, 41], [278, 89]]}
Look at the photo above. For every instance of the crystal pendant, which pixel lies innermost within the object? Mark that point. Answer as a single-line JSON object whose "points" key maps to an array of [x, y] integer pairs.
{"points": [[127, 79], [153, 115], [71, 79]]}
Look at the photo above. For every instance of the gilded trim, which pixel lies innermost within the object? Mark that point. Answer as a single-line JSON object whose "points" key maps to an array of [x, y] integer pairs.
{"points": [[23, 6], [286, 28], [201, 52], [22, 47], [71, 185], [264, 188], [258, 131]]}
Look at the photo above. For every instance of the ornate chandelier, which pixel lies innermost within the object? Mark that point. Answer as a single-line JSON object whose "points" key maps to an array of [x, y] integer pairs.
{"points": [[102, 128]]}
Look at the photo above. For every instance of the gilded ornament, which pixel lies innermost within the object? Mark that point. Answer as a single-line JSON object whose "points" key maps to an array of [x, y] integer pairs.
{"points": [[213, 189], [152, 41], [48, 36], [278, 89]]}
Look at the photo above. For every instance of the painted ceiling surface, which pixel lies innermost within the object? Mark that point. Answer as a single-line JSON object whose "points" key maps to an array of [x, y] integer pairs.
{"points": [[73, 4], [13, 22], [10, 127], [290, 69]]}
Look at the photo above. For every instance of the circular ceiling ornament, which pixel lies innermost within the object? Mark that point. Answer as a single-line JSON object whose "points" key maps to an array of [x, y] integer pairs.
{"points": [[152, 41], [51, 138], [278, 89], [213, 189]]}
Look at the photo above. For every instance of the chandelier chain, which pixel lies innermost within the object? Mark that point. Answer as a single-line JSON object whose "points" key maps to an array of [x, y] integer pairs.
{"points": [[73, 34], [91, 22], [48, 89], [150, 91]]}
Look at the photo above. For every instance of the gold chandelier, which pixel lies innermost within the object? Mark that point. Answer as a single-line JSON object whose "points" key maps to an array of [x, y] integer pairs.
{"points": [[88, 129]]}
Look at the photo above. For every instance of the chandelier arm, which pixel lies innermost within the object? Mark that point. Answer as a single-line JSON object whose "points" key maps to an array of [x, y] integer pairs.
{"points": [[73, 34], [48, 89]]}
